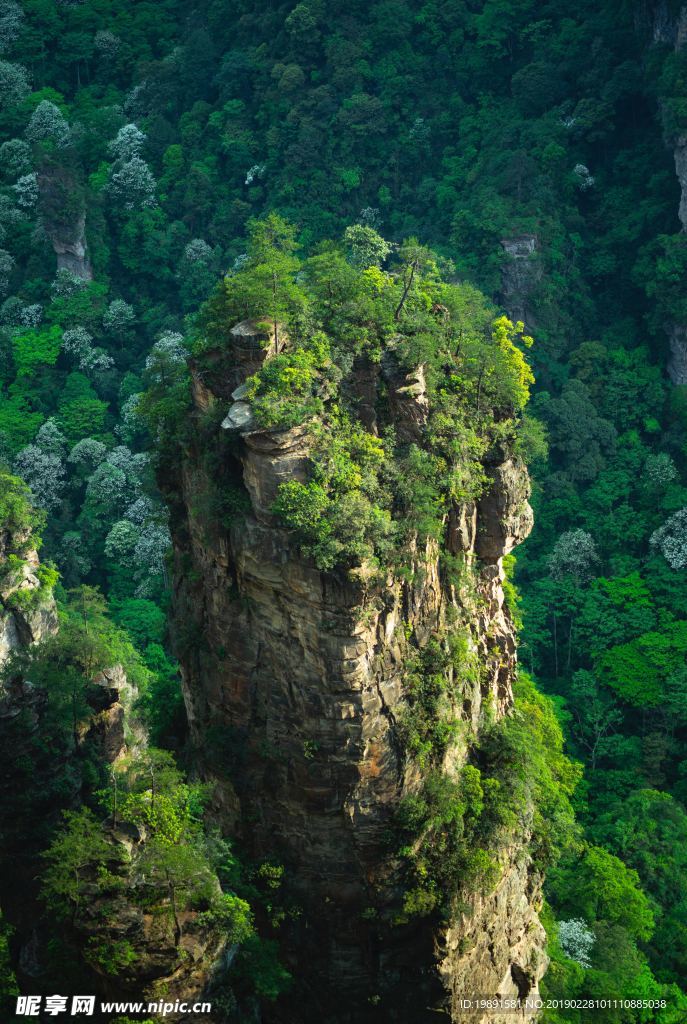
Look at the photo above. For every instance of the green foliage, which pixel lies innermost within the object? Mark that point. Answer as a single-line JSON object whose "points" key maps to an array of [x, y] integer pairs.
{"points": [[143, 620], [80, 412], [66, 663], [339, 516], [442, 829], [33, 349], [525, 751], [284, 394], [9, 989], [434, 682], [475, 373], [170, 873], [517, 773], [266, 288], [79, 854], [17, 515], [604, 889]]}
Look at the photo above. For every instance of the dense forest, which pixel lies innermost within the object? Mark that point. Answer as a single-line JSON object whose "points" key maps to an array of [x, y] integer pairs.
{"points": [[465, 178]]}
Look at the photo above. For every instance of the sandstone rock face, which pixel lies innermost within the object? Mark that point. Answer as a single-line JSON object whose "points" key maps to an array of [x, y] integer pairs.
{"points": [[521, 273], [294, 683], [161, 967], [25, 617], [72, 252], [65, 229], [681, 171], [671, 28], [677, 363]]}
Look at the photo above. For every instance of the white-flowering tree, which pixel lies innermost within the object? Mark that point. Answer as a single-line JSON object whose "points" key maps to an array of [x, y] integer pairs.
{"points": [[11, 18], [370, 217], [131, 184], [128, 143], [10, 311], [106, 44], [66, 283], [149, 556], [198, 251], [659, 470], [50, 439], [671, 540], [574, 554], [253, 173], [577, 940], [76, 342], [167, 356], [132, 464], [44, 473], [6, 268], [31, 316], [47, 123], [14, 84], [119, 317], [15, 158], [10, 214], [585, 180], [141, 548], [121, 541], [141, 510], [87, 455], [26, 191], [197, 271], [108, 492], [131, 423], [95, 362]]}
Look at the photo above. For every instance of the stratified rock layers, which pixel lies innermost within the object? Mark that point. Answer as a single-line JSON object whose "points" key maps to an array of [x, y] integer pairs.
{"points": [[294, 683]]}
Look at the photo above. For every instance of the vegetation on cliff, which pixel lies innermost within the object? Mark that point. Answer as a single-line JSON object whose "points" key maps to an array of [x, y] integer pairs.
{"points": [[341, 316]]}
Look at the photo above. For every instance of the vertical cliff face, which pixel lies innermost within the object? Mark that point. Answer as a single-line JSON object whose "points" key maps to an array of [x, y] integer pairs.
{"points": [[670, 28], [521, 273], [63, 216], [296, 685], [26, 616]]}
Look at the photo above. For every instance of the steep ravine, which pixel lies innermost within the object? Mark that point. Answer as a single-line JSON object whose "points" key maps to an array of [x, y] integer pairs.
{"points": [[294, 682]]}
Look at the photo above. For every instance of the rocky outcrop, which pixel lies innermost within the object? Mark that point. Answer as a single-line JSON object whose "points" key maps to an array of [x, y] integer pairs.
{"points": [[294, 682], [27, 612], [407, 398], [670, 28], [520, 274], [63, 215], [681, 171], [501, 928], [71, 249], [161, 964]]}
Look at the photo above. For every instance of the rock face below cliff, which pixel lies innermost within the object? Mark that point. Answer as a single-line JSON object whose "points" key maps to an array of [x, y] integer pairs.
{"points": [[521, 274], [294, 681], [63, 215], [25, 616], [670, 28]]}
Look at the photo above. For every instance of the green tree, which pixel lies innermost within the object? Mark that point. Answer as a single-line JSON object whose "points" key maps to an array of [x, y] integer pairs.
{"points": [[267, 287], [76, 857]]}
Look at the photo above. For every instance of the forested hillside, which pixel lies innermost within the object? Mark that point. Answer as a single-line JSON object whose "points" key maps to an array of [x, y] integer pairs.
{"points": [[527, 149]]}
